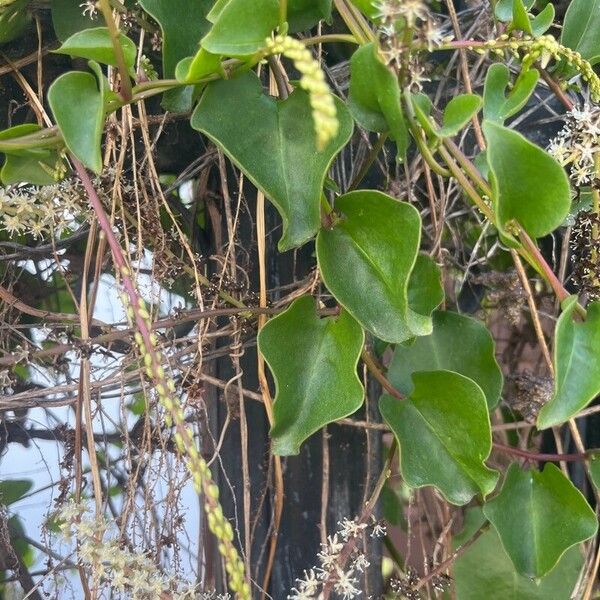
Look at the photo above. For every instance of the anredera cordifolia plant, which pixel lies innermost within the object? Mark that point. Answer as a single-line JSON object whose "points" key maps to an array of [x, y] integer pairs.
{"points": [[381, 298]]}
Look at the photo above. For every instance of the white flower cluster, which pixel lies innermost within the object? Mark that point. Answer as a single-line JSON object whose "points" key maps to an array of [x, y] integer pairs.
{"points": [[121, 569], [40, 211], [345, 580], [577, 143], [389, 11]]}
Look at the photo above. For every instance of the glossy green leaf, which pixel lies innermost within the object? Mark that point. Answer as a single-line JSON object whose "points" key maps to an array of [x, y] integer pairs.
{"points": [[194, 68], [37, 170], [497, 106], [12, 490], [304, 14], [458, 112], [14, 20], [374, 97], [313, 362], [68, 18], [520, 18], [35, 165], [366, 7], [529, 186], [366, 261], [425, 292], [444, 434], [95, 44], [543, 21], [576, 364], [78, 108], [504, 8], [182, 29], [241, 27], [484, 570], [271, 155], [539, 516], [580, 28], [458, 343], [17, 534]]}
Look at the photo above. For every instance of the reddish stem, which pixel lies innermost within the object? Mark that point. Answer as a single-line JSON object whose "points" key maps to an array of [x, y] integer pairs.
{"points": [[540, 457]]}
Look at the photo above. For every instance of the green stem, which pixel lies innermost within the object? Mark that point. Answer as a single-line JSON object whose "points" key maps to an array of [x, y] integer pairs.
{"points": [[116, 43], [350, 21], [330, 38], [369, 160], [282, 15], [419, 138], [470, 169]]}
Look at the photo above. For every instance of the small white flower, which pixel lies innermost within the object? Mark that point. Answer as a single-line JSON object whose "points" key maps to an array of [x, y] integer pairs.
{"points": [[361, 563], [350, 528], [379, 530], [89, 8], [346, 584]]}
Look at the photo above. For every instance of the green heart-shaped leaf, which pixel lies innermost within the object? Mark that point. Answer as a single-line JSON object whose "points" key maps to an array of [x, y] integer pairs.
{"points": [[36, 166], [484, 570], [367, 7], [241, 27], [576, 364], [580, 28], [314, 363], [68, 18], [497, 106], [304, 14], [539, 516], [458, 112], [520, 18], [504, 8], [425, 292], [182, 29], [14, 20], [473, 355], [444, 434], [374, 98], [543, 21], [78, 108], [96, 44], [529, 186], [366, 261], [12, 490], [279, 157], [194, 68]]}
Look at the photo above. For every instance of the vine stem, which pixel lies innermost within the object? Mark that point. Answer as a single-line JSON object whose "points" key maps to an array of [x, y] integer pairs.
{"points": [[540, 457], [369, 160], [443, 566], [377, 372], [119, 55]]}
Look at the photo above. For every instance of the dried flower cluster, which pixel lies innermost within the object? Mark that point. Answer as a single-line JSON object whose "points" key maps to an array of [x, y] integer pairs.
{"points": [[116, 566], [313, 81], [530, 394], [40, 211], [577, 144], [346, 580], [585, 247]]}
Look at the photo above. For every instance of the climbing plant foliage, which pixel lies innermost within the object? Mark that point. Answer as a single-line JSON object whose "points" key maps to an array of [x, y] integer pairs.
{"points": [[251, 79]]}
